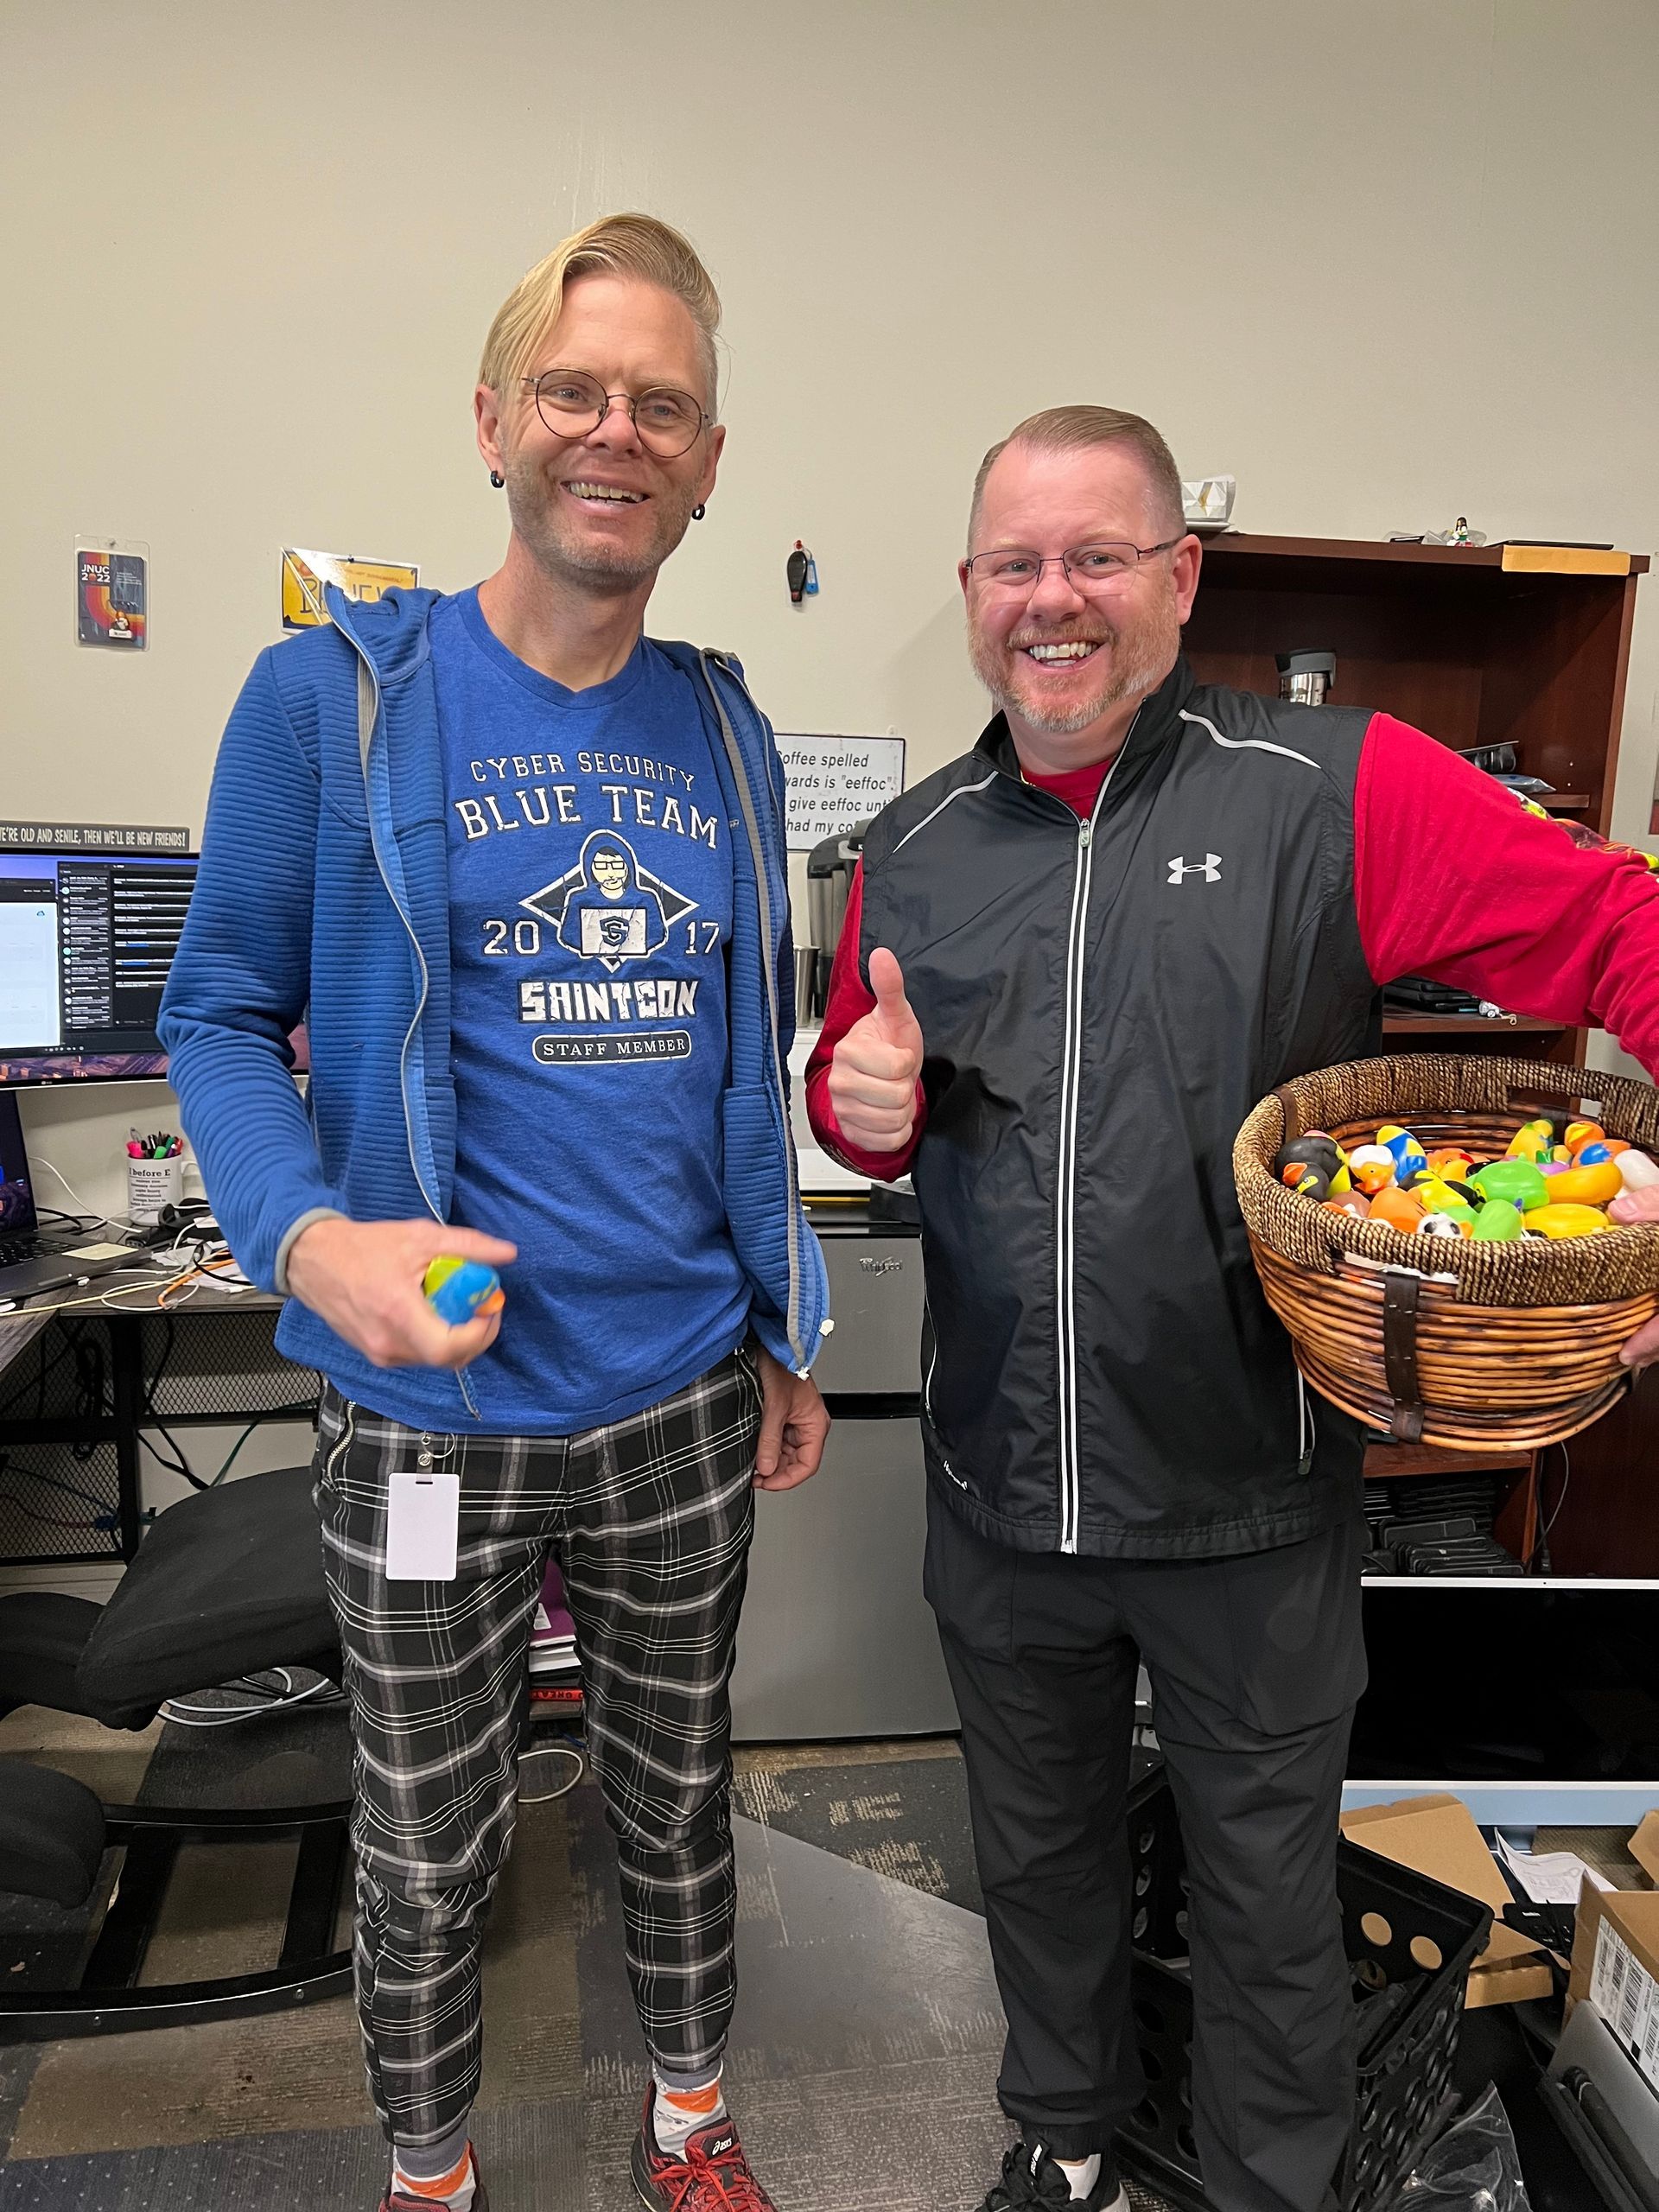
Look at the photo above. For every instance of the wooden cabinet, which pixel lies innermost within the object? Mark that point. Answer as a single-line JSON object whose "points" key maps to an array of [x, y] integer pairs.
{"points": [[1478, 644], [1448, 636], [1486, 646]]}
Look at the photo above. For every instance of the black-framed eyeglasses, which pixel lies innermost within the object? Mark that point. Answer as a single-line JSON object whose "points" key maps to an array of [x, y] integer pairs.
{"points": [[1090, 568], [573, 404]]}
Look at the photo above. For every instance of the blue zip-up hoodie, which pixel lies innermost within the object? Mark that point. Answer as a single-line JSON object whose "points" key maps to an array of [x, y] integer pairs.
{"points": [[324, 896]]}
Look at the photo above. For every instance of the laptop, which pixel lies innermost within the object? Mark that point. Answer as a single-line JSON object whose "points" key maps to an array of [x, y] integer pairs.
{"points": [[33, 1258]]}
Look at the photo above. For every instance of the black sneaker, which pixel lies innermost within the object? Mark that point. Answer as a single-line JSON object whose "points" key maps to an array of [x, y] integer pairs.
{"points": [[1031, 2178]]}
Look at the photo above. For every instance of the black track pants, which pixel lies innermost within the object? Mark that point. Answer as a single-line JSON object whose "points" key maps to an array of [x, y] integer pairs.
{"points": [[1256, 1663]]}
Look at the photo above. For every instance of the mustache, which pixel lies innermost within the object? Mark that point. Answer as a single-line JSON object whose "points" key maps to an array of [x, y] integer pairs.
{"points": [[1024, 638]]}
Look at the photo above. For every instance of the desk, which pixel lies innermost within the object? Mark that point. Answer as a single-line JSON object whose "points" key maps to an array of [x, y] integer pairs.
{"points": [[234, 1376]]}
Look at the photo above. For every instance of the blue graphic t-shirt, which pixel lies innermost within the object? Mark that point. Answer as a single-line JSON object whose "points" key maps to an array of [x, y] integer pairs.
{"points": [[590, 904]]}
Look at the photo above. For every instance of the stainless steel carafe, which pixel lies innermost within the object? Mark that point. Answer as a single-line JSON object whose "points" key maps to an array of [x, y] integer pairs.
{"points": [[1306, 677]]}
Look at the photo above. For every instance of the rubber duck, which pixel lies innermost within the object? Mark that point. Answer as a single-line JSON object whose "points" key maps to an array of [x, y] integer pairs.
{"points": [[1401, 1210], [1566, 1221], [1409, 1157], [1515, 1178], [1372, 1168], [1497, 1223], [1586, 1186], [1307, 1181], [1531, 1139]]}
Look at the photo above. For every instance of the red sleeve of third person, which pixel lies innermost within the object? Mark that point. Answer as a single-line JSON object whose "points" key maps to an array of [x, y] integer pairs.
{"points": [[1454, 881], [849, 1001]]}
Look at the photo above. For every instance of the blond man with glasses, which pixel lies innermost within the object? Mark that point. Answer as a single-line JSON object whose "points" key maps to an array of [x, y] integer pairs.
{"points": [[524, 870]]}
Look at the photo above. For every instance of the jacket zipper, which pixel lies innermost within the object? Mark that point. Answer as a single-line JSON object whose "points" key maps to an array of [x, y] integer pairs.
{"points": [[1065, 1206], [368, 715], [763, 893]]}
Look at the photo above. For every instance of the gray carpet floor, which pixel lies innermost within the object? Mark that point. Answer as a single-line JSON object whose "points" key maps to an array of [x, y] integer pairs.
{"points": [[861, 2069]]}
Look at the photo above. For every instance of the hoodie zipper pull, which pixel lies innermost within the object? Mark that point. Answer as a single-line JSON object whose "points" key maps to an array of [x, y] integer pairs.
{"points": [[1086, 835]]}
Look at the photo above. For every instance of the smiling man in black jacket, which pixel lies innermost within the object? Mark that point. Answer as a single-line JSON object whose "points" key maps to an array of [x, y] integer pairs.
{"points": [[1074, 960]]}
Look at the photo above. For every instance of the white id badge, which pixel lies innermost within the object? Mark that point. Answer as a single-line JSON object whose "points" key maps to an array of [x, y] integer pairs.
{"points": [[422, 1525]]}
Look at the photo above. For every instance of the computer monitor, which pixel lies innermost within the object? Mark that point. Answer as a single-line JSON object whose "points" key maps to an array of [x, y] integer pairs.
{"points": [[86, 940]]}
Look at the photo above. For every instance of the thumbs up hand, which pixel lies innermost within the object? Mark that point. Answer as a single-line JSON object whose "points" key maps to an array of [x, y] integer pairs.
{"points": [[874, 1069]]}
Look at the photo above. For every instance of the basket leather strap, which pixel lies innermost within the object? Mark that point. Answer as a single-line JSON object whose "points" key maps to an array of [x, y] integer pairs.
{"points": [[1400, 1355], [1292, 1112]]}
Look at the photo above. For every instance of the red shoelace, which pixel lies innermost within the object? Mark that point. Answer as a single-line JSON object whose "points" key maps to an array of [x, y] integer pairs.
{"points": [[700, 2184]]}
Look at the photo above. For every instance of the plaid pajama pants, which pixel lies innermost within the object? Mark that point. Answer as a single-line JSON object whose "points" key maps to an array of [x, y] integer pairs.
{"points": [[653, 1517]]}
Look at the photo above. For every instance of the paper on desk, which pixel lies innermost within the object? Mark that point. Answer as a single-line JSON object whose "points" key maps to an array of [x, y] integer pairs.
{"points": [[1549, 1877], [219, 1271]]}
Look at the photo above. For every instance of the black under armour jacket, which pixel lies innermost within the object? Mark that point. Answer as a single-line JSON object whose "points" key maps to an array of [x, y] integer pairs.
{"points": [[1103, 1001]]}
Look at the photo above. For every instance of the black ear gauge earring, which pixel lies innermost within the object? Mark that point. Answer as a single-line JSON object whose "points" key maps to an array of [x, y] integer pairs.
{"points": [[496, 480], [698, 511]]}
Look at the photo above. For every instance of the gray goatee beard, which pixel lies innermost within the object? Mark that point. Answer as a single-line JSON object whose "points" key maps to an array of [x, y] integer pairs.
{"points": [[1139, 663]]}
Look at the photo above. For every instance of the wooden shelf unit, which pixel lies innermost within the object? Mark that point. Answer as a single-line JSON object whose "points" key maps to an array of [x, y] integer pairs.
{"points": [[1443, 636], [1477, 653], [1450, 638]]}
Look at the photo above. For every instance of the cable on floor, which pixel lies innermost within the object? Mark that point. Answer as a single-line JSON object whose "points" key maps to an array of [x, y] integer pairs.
{"points": [[184, 1715], [558, 1750]]}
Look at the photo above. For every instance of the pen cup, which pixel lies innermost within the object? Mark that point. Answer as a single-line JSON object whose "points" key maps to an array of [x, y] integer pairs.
{"points": [[151, 1185]]}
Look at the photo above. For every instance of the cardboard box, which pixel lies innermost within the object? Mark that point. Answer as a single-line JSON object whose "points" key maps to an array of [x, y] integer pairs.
{"points": [[1616, 1963], [1437, 1836]]}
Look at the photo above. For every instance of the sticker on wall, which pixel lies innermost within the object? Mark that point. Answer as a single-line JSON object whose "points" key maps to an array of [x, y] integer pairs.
{"points": [[112, 593], [305, 573]]}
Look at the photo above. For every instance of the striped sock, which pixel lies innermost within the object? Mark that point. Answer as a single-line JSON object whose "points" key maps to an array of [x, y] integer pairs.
{"points": [[453, 2191], [677, 2111]]}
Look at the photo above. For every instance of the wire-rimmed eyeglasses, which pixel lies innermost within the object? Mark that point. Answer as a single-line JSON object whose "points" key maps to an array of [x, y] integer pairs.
{"points": [[573, 404], [1090, 568]]}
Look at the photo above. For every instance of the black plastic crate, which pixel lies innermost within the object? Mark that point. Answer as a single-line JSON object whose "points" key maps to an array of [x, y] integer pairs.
{"points": [[1411, 1943]]}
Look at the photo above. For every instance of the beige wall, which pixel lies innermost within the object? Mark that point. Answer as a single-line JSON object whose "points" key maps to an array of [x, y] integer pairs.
{"points": [[1388, 263]]}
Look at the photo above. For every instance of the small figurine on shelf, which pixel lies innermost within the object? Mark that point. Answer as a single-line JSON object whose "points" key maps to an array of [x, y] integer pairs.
{"points": [[1459, 534]]}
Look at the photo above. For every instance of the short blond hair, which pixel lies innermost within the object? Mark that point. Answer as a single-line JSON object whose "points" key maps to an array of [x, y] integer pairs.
{"points": [[616, 245], [1072, 429]]}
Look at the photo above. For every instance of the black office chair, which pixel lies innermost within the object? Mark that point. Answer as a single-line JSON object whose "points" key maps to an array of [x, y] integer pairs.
{"points": [[225, 1583]]}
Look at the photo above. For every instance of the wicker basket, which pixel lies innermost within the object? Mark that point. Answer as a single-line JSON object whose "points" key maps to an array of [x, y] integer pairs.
{"points": [[1468, 1346]]}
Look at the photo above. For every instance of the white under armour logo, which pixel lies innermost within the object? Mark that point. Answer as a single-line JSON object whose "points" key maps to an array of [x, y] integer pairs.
{"points": [[1209, 867]]}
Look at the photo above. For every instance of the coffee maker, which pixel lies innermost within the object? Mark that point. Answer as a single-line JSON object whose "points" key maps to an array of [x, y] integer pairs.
{"points": [[830, 868]]}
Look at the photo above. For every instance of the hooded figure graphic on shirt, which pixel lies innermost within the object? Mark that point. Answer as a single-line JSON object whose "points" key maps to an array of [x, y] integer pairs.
{"points": [[608, 913]]}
